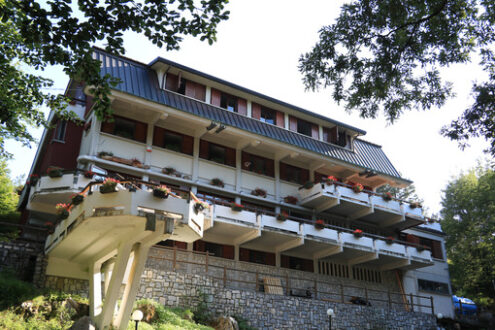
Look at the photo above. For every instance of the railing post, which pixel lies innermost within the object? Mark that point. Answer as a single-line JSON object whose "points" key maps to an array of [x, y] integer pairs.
{"points": [[174, 263], [224, 276], [206, 262], [412, 302], [342, 293], [389, 300], [287, 283], [257, 282], [366, 294], [316, 289], [432, 307]]}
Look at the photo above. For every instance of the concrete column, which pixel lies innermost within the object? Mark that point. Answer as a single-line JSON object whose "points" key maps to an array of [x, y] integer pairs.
{"points": [[208, 94], [108, 274], [195, 163], [277, 179], [320, 132], [315, 266], [95, 290], [286, 120], [249, 109], [94, 135], [236, 252], [149, 143], [238, 170], [277, 259]]}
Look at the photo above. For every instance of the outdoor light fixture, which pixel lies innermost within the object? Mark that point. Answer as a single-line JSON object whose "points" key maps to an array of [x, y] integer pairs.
{"points": [[211, 126], [330, 314], [137, 316], [439, 316], [220, 128]]}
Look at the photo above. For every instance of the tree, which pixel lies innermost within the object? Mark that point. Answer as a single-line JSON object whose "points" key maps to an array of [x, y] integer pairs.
{"points": [[8, 203], [386, 54], [36, 36], [468, 211], [406, 194]]}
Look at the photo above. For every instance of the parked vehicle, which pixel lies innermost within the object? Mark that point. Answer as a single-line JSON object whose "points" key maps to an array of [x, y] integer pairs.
{"points": [[464, 306]]}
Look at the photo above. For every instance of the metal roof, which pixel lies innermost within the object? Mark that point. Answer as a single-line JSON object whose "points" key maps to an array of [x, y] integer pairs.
{"points": [[140, 80]]}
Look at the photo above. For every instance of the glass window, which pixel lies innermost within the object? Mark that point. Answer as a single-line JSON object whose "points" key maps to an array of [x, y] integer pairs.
{"points": [[60, 131], [124, 127], [257, 164], [431, 286], [228, 102], [216, 153], [267, 115], [304, 127], [172, 141]]}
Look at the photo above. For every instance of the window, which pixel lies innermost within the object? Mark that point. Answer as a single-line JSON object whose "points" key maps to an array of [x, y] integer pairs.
{"points": [[293, 174], [173, 140], [304, 127], [59, 134], [126, 128], [296, 263], [336, 135], [172, 243], [217, 250], [258, 257], [185, 87], [268, 115], [217, 153], [257, 164], [435, 247], [434, 287], [228, 102]]}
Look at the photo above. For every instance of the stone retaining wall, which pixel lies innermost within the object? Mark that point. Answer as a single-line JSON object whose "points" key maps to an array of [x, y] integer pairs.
{"points": [[22, 257]]}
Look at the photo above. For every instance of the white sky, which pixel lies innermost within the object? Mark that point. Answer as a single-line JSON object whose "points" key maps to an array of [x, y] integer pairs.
{"points": [[259, 47]]}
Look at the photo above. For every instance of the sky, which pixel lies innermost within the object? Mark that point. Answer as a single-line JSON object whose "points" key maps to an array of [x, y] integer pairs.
{"points": [[259, 47]]}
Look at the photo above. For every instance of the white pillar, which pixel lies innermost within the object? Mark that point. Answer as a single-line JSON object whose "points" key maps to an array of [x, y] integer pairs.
{"points": [[320, 132], [249, 109], [286, 120], [277, 259], [238, 170], [208, 94], [95, 300], [277, 179], [94, 135], [195, 163]]}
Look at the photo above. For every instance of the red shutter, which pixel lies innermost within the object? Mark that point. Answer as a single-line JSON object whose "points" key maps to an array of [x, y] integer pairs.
{"points": [[241, 106], [284, 261], [256, 111], [315, 134], [187, 144], [172, 82], [108, 127], [215, 97], [200, 246], [270, 259], [436, 250], [412, 239], [319, 176], [203, 149], [190, 89], [243, 254], [158, 134], [200, 92], [230, 156], [283, 171], [141, 132], [280, 121], [270, 167], [293, 123], [228, 251]]}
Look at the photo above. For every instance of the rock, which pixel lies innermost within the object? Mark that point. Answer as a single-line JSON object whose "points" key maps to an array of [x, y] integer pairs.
{"points": [[84, 323], [225, 323]]}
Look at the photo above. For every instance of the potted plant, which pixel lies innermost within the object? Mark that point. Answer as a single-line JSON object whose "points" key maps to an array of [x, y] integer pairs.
{"points": [[236, 207], [136, 163], [389, 240], [200, 206], [77, 199], [282, 216], [217, 182], [108, 186], [62, 210], [161, 191], [89, 174], [414, 205], [259, 192], [308, 184], [105, 155], [330, 180], [319, 224], [290, 199], [357, 187], [33, 179], [420, 248], [358, 233], [54, 172], [387, 196], [168, 170]]}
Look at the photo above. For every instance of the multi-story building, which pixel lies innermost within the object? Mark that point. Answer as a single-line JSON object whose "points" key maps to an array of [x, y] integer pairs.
{"points": [[289, 189]]}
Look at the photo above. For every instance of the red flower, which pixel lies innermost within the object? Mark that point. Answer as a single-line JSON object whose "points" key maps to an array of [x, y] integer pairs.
{"points": [[357, 231], [320, 222]]}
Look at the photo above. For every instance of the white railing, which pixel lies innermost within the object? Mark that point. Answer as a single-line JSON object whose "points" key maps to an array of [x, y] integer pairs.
{"points": [[225, 213], [392, 249], [360, 243], [387, 206], [287, 225], [325, 233], [419, 255]]}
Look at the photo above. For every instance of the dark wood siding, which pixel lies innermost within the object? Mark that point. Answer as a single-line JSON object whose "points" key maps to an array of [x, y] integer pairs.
{"points": [[256, 111], [242, 106], [172, 82], [280, 121], [215, 97]]}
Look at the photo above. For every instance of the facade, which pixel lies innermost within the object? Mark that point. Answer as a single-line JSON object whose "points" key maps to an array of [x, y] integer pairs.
{"points": [[291, 191]]}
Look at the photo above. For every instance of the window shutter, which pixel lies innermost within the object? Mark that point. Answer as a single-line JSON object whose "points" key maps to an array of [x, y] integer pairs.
{"points": [[270, 259], [228, 251], [203, 149], [292, 123], [279, 119], [172, 82], [215, 97], [158, 134], [141, 131], [243, 254], [333, 134], [108, 127], [308, 265], [230, 156], [241, 106], [180, 245], [270, 167], [284, 261], [187, 144], [436, 250], [200, 246], [412, 239], [255, 110], [190, 89], [315, 134], [304, 176], [200, 92], [283, 171]]}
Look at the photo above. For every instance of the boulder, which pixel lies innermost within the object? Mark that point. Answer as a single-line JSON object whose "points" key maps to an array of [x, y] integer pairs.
{"points": [[84, 323], [225, 323]]}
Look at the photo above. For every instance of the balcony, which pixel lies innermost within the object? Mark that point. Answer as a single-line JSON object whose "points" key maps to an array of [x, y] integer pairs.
{"points": [[48, 192], [391, 255], [419, 257], [103, 220]]}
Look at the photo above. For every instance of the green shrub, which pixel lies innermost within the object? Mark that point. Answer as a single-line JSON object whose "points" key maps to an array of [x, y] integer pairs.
{"points": [[14, 291], [242, 323]]}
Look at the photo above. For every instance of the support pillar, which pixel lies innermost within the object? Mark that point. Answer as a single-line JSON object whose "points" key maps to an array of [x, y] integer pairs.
{"points": [[95, 289]]}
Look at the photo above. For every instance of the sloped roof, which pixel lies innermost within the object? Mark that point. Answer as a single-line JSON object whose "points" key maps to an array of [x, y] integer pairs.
{"points": [[140, 80]]}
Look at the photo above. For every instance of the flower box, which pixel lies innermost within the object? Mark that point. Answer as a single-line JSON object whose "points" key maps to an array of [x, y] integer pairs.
{"points": [[319, 224], [54, 172], [77, 199], [421, 248], [259, 192], [33, 179], [105, 155], [217, 182], [109, 186], [168, 170], [330, 180], [387, 197], [389, 240], [308, 185], [236, 207], [200, 206], [357, 187], [62, 210], [161, 192], [282, 216], [358, 233], [290, 200], [89, 174]]}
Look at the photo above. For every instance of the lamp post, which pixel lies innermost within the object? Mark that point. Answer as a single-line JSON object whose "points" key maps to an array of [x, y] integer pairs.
{"points": [[137, 316], [330, 314]]}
